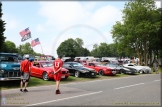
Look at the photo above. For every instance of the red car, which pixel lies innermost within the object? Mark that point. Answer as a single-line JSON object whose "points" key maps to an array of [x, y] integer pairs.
{"points": [[101, 70], [44, 70]]}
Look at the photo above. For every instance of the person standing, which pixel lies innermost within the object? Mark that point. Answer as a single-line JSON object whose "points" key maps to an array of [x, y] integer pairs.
{"points": [[156, 66], [25, 68], [57, 66]]}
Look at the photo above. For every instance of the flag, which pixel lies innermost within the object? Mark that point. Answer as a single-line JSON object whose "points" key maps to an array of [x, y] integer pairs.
{"points": [[35, 42], [27, 36], [24, 32]]}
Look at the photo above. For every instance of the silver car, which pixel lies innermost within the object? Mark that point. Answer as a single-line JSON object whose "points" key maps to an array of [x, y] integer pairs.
{"points": [[140, 69]]}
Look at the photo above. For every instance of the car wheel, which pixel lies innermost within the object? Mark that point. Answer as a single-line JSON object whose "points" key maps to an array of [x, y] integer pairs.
{"points": [[101, 72], [121, 71], [45, 76], [77, 74], [141, 71]]}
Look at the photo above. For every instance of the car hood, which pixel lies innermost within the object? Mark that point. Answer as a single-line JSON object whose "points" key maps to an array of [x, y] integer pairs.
{"points": [[84, 68], [51, 69], [9, 64]]}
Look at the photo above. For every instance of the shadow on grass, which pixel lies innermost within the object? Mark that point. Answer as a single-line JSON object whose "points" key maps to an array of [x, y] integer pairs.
{"points": [[10, 84]]}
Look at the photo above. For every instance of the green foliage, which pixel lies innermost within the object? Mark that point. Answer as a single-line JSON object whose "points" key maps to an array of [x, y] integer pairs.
{"points": [[9, 47], [137, 34], [104, 50], [2, 29], [25, 49], [72, 48]]}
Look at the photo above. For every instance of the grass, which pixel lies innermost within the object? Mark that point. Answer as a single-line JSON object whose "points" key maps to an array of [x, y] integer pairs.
{"points": [[40, 82]]}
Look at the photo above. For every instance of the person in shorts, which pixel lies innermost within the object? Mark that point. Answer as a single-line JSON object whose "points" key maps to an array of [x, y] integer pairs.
{"points": [[25, 68], [156, 66], [57, 66]]}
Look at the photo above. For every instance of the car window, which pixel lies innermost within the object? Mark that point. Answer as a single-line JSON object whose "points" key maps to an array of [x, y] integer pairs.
{"points": [[8, 58], [47, 64], [66, 65], [77, 65], [130, 65]]}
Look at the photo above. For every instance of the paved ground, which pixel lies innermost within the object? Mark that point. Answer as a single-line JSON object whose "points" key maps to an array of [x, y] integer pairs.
{"points": [[142, 90]]}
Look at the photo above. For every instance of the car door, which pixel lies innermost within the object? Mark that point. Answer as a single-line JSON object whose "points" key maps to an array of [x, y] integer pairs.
{"points": [[69, 67], [36, 69]]}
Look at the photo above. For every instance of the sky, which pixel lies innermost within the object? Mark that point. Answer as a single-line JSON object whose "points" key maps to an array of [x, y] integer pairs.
{"points": [[56, 21]]}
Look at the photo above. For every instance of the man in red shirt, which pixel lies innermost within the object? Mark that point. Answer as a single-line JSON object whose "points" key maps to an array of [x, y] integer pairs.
{"points": [[25, 68], [57, 66]]}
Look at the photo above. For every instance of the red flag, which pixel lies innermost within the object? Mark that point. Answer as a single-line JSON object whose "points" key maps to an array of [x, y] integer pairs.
{"points": [[35, 42], [24, 32]]}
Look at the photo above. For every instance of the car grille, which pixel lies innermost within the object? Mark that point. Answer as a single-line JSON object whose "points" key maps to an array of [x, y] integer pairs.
{"points": [[12, 74]]}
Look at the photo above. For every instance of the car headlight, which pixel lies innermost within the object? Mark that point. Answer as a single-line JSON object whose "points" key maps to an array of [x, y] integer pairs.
{"points": [[1, 71], [84, 71], [3, 65]]}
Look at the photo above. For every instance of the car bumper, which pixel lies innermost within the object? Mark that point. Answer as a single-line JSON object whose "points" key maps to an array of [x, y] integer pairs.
{"points": [[89, 74], [10, 79]]}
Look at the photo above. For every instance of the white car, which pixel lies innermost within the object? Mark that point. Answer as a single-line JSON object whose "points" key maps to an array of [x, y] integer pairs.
{"points": [[140, 69]]}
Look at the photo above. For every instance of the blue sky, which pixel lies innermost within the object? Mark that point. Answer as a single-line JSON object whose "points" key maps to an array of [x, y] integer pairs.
{"points": [[53, 22]]}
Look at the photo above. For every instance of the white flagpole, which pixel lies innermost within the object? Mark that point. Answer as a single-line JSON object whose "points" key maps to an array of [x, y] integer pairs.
{"points": [[41, 48]]}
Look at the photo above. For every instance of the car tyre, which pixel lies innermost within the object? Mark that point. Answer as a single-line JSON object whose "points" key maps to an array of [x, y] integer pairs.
{"points": [[122, 71], [141, 71], [45, 76], [77, 74], [101, 72]]}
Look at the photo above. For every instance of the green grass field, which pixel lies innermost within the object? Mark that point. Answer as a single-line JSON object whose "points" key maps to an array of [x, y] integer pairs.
{"points": [[40, 82]]}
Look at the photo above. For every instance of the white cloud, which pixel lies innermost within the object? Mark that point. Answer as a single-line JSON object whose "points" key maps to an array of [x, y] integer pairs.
{"points": [[104, 16], [40, 28], [63, 14], [11, 22]]}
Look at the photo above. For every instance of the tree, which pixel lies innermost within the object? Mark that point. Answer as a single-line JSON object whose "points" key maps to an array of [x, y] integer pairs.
{"points": [[80, 49], [9, 47], [68, 48], [25, 49], [139, 23], [2, 29]]}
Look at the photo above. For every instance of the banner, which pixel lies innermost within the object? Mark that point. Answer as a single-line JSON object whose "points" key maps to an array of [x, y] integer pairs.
{"points": [[26, 37]]}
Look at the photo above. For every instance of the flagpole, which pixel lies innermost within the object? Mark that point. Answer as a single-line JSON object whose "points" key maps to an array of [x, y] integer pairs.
{"points": [[31, 41], [41, 48]]}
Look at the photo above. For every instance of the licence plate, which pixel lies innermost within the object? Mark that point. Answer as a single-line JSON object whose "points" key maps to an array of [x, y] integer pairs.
{"points": [[92, 73], [63, 76]]}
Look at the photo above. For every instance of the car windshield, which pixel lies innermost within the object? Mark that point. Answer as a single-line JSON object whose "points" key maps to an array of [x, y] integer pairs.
{"points": [[99, 64], [47, 64], [112, 65], [77, 65], [8, 58]]}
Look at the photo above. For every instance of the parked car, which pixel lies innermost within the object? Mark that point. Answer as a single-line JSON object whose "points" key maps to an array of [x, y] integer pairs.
{"points": [[140, 69], [44, 70], [9, 67], [100, 69], [77, 69], [121, 69]]}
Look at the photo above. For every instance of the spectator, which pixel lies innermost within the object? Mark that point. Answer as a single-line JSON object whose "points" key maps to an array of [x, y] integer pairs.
{"points": [[58, 64], [25, 68], [156, 66]]}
